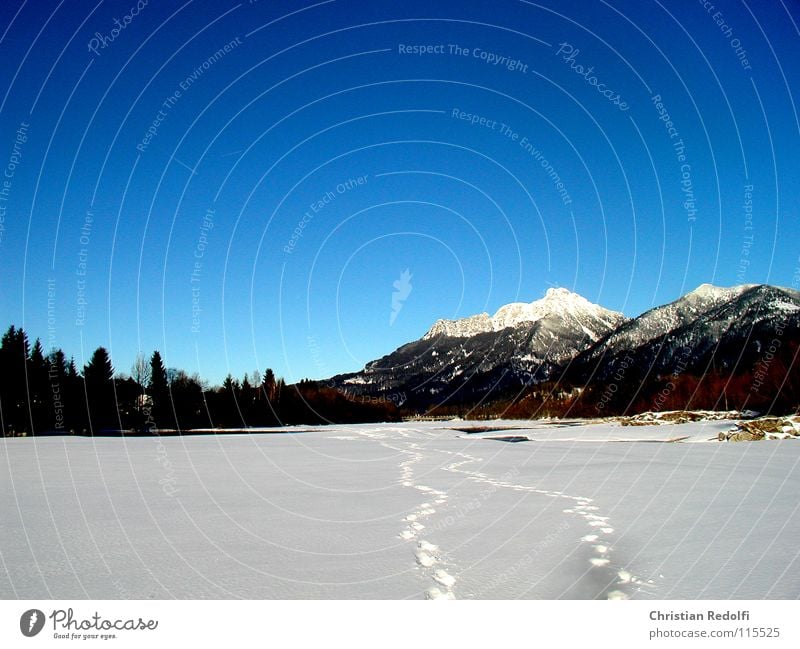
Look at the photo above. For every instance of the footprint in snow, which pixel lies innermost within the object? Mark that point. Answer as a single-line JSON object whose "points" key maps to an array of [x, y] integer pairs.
{"points": [[446, 580], [424, 559]]}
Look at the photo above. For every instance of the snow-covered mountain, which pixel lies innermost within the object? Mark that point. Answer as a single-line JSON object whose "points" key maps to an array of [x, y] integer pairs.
{"points": [[728, 323], [520, 339], [560, 303], [564, 336], [658, 321]]}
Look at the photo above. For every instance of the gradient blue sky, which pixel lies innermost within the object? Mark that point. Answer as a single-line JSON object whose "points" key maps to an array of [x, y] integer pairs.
{"points": [[310, 96]]}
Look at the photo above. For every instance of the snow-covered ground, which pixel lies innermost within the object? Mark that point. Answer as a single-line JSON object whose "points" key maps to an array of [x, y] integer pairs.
{"points": [[409, 510]]}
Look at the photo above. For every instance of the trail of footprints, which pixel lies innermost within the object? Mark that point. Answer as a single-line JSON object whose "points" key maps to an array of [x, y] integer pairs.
{"points": [[426, 554], [582, 507], [429, 558]]}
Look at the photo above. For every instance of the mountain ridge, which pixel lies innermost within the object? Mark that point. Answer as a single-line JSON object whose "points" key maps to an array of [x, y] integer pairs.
{"points": [[565, 338], [555, 300]]}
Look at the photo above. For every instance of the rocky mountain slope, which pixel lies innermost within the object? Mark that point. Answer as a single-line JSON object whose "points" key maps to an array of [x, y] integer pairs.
{"points": [[734, 325], [565, 338], [459, 359]]}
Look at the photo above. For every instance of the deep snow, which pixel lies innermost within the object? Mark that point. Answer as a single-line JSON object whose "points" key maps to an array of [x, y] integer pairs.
{"points": [[407, 510]]}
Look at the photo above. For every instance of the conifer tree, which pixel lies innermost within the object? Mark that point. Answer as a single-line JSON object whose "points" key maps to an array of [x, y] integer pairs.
{"points": [[98, 375], [159, 392]]}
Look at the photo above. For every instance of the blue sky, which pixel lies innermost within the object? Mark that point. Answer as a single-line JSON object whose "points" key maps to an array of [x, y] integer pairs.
{"points": [[199, 138]]}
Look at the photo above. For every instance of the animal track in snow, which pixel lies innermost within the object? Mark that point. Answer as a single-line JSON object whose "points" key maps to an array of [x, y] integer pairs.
{"points": [[426, 554], [427, 557], [436, 593], [581, 506], [446, 580], [424, 559]]}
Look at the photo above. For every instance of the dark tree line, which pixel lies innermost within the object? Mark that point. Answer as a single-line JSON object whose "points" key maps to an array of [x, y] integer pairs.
{"points": [[47, 393], [771, 387]]}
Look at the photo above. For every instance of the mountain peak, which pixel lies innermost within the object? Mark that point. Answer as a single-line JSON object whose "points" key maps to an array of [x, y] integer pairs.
{"points": [[660, 320], [559, 292], [706, 289], [710, 291], [557, 302]]}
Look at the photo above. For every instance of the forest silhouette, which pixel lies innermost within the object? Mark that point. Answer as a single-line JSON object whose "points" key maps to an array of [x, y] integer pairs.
{"points": [[48, 394]]}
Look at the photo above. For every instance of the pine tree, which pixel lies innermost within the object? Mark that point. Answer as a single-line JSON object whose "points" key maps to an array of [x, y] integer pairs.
{"points": [[99, 371], [268, 385], [230, 385], [58, 364], [98, 376], [159, 392], [246, 400], [59, 410], [14, 354], [37, 354], [77, 418], [72, 369], [158, 375], [38, 387]]}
